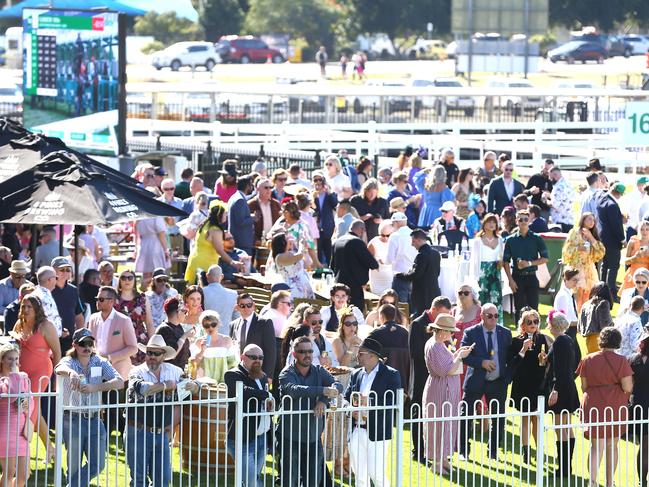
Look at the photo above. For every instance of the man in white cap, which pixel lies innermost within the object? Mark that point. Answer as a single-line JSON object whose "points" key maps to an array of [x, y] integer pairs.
{"points": [[451, 226], [401, 254], [46, 278], [9, 286], [66, 297], [148, 428]]}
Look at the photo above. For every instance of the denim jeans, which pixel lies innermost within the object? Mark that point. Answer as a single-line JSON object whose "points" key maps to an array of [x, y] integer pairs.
{"points": [[148, 456], [253, 460], [83, 436], [402, 288]]}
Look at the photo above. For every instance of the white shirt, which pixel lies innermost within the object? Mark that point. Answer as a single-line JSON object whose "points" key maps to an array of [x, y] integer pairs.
{"points": [[509, 187], [401, 253], [49, 306], [564, 302], [630, 327], [368, 380], [325, 314], [278, 320], [167, 372], [631, 205], [103, 333], [245, 326], [338, 183]]}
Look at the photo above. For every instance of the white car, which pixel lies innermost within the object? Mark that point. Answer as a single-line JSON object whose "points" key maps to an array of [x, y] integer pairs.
{"points": [[393, 103], [640, 44], [192, 54], [443, 104], [11, 98], [512, 102]]}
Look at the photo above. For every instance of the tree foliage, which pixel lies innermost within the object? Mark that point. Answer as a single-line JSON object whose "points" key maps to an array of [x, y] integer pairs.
{"points": [[222, 17], [167, 28]]}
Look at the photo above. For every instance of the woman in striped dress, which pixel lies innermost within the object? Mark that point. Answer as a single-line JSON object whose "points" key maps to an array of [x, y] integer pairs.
{"points": [[442, 393]]}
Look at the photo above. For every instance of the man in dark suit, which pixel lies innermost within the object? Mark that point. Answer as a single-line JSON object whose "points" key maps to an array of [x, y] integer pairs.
{"points": [[538, 185], [249, 329], [424, 273], [373, 384], [263, 208], [256, 399], [503, 189], [394, 340], [538, 224], [487, 375], [240, 222], [417, 338], [325, 203], [613, 236], [352, 261]]}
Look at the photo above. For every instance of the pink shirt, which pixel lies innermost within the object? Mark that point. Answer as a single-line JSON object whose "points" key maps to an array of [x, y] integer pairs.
{"points": [[224, 192]]}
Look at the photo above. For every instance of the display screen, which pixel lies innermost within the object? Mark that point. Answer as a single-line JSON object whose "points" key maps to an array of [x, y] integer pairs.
{"points": [[73, 83]]}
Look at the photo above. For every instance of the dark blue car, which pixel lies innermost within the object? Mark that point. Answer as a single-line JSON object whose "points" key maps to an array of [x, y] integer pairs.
{"points": [[578, 51]]}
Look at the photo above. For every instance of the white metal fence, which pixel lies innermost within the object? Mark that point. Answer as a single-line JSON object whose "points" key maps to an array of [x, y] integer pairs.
{"points": [[353, 443]]}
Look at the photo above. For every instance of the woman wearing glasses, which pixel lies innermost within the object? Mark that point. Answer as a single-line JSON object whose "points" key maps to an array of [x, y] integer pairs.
{"points": [[637, 255], [640, 288], [467, 310], [336, 179], [381, 278], [346, 344], [582, 250], [136, 306], [529, 373], [214, 353]]}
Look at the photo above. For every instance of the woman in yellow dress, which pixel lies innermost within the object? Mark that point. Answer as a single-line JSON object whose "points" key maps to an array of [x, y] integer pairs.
{"points": [[582, 250], [637, 255], [209, 243]]}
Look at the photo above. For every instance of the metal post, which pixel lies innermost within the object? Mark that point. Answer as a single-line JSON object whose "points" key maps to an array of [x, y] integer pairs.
{"points": [[399, 438], [470, 49], [238, 435], [540, 441], [526, 28], [58, 438]]}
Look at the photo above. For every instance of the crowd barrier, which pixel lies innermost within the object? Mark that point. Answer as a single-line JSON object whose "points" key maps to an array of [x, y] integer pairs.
{"points": [[286, 446]]}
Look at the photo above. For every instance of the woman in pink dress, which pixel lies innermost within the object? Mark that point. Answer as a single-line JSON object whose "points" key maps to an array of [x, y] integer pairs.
{"points": [[14, 454], [151, 249], [442, 393], [40, 352]]}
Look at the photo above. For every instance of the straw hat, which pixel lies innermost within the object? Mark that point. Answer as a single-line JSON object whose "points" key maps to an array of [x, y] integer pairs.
{"points": [[445, 322], [18, 267], [157, 342]]}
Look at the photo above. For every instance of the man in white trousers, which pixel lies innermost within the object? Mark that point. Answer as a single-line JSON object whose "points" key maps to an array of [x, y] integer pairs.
{"points": [[373, 384]]}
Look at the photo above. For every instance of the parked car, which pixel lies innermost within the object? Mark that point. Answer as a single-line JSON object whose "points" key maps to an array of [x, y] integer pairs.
{"points": [[191, 54], [376, 46], [444, 104], [617, 46], [510, 101], [578, 51], [247, 49], [11, 98], [392, 103], [427, 49], [640, 44], [451, 50]]}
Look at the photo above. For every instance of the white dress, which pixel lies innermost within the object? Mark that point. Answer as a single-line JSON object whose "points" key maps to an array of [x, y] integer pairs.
{"points": [[381, 278], [338, 183]]}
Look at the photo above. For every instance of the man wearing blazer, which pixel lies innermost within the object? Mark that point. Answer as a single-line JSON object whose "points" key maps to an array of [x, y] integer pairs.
{"points": [[255, 400], [264, 209], [487, 374], [503, 189], [240, 222], [374, 384], [325, 203], [249, 329], [113, 331]]}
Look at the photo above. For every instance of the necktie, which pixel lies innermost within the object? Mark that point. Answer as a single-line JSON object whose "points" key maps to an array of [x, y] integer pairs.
{"points": [[490, 344], [242, 340], [574, 304]]}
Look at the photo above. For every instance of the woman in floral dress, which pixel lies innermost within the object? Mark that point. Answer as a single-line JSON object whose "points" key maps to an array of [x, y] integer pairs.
{"points": [[136, 306], [582, 250], [486, 262], [290, 266], [463, 190]]}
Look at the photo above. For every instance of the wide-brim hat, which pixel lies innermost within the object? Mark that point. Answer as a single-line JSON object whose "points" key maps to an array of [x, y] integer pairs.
{"points": [[18, 267], [448, 206], [445, 322], [373, 346], [157, 342], [229, 169]]}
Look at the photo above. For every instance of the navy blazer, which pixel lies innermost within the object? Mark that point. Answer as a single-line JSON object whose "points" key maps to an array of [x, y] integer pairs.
{"points": [[474, 380], [383, 393], [325, 214], [497, 197], [240, 223], [610, 218]]}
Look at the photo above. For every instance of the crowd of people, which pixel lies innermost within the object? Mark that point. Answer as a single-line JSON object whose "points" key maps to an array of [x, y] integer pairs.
{"points": [[132, 332]]}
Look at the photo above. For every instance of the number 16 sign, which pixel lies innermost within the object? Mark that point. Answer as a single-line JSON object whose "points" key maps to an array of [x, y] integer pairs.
{"points": [[636, 124]]}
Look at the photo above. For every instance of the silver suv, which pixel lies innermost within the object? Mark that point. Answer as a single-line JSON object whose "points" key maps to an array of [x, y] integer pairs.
{"points": [[192, 54]]}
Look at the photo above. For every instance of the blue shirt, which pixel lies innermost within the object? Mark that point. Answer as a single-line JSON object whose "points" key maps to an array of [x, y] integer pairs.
{"points": [[8, 293], [176, 203]]}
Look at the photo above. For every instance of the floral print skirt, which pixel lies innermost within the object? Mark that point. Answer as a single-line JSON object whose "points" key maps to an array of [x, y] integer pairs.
{"points": [[491, 290]]}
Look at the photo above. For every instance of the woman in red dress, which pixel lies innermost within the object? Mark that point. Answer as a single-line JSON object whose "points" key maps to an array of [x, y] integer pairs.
{"points": [[606, 379]]}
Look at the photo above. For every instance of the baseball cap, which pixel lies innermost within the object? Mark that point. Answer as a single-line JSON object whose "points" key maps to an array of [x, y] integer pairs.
{"points": [[619, 188], [397, 216], [448, 206], [160, 171], [60, 261], [80, 334], [643, 180]]}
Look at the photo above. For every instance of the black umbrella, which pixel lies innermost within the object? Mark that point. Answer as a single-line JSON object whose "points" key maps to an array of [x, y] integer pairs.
{"points": [[10, 130], [62, 190]]}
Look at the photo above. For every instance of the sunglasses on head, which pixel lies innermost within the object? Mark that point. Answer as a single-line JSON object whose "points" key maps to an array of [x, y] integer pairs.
{"points": [[127, 278], [490, 315], [210, 324], [246, 305], [255, 357], [464, 293], [151, 353], [350, 323]]}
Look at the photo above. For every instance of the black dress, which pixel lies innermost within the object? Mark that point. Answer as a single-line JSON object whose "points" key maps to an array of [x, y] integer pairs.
{"points": [[640, 395], [561, 374], [528, 376]]}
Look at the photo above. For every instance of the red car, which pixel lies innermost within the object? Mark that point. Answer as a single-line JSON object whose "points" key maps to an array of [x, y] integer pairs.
{"points": [[246, 49]]}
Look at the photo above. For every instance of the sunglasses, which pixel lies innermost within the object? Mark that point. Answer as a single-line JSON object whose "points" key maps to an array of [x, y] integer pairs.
{"points": [[523, 219], [86, 344], [384, 235], [154, 354], [446, 211], [329, 164], [529, 322], [211, 324], [490, 315], [228, 238], [282, 179], [126, 278], [290, 303], [464, 293], [350, 323], [161, 280], [65, 269], [509, 170], [168, 189], [265, 187], [316, 322], [246, 305], [304, 352], [641, 282], [101, 299], [255, 357]]}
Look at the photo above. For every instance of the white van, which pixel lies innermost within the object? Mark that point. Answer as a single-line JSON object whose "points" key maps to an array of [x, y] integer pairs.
{"points": [[513, 102]]}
